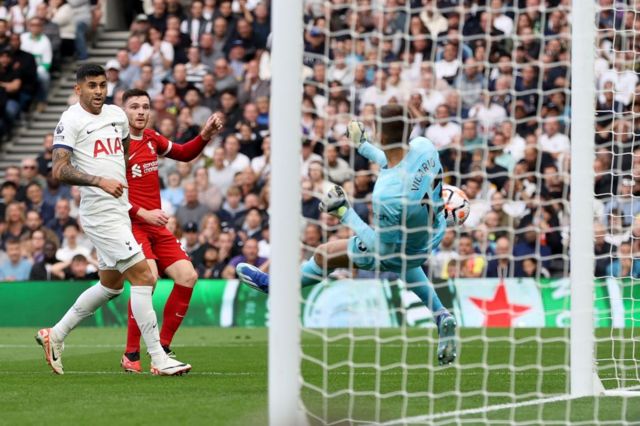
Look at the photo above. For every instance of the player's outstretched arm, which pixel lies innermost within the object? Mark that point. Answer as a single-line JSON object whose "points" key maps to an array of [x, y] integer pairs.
{"points": [[358, 136], [65, 172], [194, 147]]}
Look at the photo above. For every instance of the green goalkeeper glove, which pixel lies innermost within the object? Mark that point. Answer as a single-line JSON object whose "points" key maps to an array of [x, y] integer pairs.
{"points": [[357, 134], [335, 202]]}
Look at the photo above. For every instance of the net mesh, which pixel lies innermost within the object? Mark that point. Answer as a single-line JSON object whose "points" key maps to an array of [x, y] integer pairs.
{"points": [[617, 168], [489, 84]]}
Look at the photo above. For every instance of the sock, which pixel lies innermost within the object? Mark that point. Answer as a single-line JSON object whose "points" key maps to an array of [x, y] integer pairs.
{"points": [[311, 273], [418, 282], [142, 309], [133, 332], [86, 304], [174, 311]]}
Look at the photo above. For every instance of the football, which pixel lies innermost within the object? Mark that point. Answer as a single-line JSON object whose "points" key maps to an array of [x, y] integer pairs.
{"points": [[456, 205]]}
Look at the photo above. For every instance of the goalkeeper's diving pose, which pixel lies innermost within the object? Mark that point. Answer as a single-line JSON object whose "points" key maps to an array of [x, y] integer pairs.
{"points": [[407, 215]]}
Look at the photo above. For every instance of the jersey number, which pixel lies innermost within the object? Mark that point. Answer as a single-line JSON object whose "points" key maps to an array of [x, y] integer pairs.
{"points": [[428, 204]]}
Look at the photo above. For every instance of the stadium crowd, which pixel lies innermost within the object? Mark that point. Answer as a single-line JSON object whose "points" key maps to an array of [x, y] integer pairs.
{"points": [[486, 80]]}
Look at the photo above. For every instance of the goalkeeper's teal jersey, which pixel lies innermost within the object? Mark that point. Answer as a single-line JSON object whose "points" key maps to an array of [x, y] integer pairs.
{"points": [[407, 203]]}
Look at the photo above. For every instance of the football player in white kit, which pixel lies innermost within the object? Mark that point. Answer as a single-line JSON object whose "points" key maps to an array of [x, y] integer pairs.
{"points": [[90, 147]]}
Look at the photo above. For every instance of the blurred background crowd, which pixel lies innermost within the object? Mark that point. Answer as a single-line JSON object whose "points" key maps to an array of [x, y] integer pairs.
{"points": [[488, 81]]}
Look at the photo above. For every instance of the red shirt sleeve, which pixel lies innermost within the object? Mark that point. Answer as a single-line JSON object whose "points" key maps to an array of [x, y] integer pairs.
{"points": [[187, 151]]}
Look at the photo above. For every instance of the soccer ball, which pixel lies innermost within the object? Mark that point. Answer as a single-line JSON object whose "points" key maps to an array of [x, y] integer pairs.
{"points": [[456, 205]]}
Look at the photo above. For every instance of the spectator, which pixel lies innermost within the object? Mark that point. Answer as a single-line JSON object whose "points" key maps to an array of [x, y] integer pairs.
{"points": [[14, 222], [338, 170], [139, 51], [470, 83], [310, 204], [472, 264], [41, 271], [624, 265], [249, 255], [37, 241], [147, 82], [253, 86], [212, 266], [199, 113], [35, 202], [603, 251], [195, 25], [232, 209], [233, 156], [44, 159], [251, 225], [52, 31], [70, 245], [189, 241], [528, 245], [8, 191], [442, 255], [114, 83], [16, 268], [192, 210], [38, 44], [10, 85], [82, 17], [551, 140], [62, 218], [158, 19], [224, 76], [444, 132], [195, 69], [208, 192], [128, 72], [501, 265], [25, 64], [78, 269]]}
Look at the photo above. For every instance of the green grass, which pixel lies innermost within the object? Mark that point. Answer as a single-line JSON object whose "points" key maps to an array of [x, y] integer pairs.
{"points": [[228, 384]]}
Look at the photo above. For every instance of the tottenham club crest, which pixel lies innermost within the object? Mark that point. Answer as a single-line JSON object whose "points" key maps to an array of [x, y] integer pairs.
{"points": [[59, 129]]}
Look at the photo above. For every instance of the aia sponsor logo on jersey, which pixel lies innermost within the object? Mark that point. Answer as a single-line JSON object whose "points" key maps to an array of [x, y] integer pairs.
{"points": [[107, 147]]}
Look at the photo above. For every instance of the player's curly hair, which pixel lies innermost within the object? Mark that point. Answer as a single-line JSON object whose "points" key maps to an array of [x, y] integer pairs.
{"points": [[89, 70]]}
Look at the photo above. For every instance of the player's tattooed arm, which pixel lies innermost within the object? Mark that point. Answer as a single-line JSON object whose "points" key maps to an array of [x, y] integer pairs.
{"points": [[65, 172]]}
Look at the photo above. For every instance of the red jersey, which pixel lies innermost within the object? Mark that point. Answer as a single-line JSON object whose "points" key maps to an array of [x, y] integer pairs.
{"points": [[142, 174]]}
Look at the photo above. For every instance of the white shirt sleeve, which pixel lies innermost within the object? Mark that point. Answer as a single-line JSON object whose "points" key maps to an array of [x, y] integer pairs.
{"points": [[65, 135]]}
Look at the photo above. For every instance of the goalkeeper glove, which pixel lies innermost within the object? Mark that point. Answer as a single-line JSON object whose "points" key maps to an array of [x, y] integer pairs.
{"points": [[356, 132], [335, 202]]}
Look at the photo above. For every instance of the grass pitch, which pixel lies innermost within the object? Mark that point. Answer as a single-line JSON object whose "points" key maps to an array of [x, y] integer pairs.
{"points": [[343, 376]]}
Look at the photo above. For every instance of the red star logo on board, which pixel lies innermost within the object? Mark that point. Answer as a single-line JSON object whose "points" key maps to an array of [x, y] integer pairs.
{"points": [[498, 311]]}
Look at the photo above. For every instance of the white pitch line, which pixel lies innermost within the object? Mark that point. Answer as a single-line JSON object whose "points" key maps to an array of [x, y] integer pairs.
{"points": [[480, 410]]}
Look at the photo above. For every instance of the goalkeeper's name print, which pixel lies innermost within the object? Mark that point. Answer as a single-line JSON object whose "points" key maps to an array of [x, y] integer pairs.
{"points": [[424, 169]]}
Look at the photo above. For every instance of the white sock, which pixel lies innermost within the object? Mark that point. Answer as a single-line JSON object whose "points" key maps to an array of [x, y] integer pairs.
{"points": [[142, 309], [86, 304]]}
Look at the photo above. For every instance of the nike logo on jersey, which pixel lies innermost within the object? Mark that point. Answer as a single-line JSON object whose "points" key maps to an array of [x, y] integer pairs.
{"points": [[179, 316]]}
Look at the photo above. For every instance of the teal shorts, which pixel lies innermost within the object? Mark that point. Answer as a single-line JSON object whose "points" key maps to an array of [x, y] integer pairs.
{"points": [[365, 259]]}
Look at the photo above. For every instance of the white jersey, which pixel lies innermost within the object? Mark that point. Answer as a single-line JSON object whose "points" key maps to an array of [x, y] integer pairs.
{"points": [[96, 145]]}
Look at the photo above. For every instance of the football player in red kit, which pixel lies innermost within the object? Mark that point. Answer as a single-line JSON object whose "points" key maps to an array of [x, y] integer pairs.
{"points": [[161, 248]]}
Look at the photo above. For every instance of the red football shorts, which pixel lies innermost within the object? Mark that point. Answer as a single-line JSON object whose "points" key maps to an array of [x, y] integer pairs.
{"points": [[159, 244]]}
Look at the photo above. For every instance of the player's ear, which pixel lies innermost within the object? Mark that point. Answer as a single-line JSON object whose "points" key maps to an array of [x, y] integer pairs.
{"points": [[76, 88]]}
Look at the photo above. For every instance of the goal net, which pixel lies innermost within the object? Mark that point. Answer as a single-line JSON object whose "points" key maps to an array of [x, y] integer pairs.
{"points": [[489, 83]]}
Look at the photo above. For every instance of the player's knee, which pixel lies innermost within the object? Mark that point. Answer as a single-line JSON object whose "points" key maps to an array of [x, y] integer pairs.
{"points": [[189, 278]]}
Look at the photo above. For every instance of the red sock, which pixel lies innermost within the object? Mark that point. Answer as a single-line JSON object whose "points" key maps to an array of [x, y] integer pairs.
{"points": [[133, 333], [174, 311]]}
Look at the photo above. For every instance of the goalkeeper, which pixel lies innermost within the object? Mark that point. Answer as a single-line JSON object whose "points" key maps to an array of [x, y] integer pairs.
{"points": [[408, 221]]}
